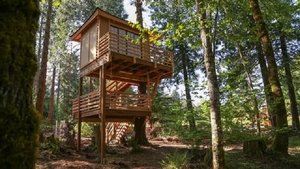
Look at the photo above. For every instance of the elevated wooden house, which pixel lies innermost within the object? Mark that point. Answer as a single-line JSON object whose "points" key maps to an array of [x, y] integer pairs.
{"points": [[109, 56]]}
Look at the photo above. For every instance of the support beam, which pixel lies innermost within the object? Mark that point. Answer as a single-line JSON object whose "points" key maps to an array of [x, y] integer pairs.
{"points": [[79, 117], [102, 87]]}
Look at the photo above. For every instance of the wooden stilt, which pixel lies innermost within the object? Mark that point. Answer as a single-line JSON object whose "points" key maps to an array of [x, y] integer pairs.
{"points": [[102, 87], [102, 142], [79, 118]]}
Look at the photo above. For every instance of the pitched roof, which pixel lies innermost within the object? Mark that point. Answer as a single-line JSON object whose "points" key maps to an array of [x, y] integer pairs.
{"points": [[76, 36]]}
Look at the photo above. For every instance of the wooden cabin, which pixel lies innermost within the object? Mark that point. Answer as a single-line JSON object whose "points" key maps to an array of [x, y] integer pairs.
{"points": [[110, 58]]}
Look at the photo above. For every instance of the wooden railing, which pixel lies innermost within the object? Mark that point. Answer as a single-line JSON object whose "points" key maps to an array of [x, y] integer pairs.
{"points": [[114, 100], [125, 101], [88, 103], [145, 51]]}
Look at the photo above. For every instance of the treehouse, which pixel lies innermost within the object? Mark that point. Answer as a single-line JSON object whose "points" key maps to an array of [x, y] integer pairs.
{"points": [[123, 74]]}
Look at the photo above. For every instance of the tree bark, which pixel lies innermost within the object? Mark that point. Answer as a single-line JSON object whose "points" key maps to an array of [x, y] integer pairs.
{"points": [[140, 122], [139, 11], [277, 106], [289, 81], [251, 88], [19, 121], [188, 96], [57, 96], [267, 86], [51, 104], [41, 90], [213, 89], [36, 77]]}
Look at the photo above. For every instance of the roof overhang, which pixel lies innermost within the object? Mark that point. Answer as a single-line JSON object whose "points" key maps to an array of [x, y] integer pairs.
{"points": [[76, 36]]}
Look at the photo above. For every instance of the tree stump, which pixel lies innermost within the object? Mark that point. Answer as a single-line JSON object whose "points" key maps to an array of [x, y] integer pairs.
{"points": [[254, 147]]}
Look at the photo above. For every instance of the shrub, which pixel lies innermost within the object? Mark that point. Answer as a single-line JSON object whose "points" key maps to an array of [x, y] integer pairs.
{"points": [[135, 147], [175, 161], [86, 129]]}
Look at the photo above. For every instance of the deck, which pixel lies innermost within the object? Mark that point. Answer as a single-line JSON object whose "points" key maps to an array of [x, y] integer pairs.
{"points": [[117, 104], [122, 53]]}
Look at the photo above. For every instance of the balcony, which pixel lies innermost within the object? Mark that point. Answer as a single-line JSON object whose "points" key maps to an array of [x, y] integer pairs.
{"points": [[116, 104], [111, 46]]}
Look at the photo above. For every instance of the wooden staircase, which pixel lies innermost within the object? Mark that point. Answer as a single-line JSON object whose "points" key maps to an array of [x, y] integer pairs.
{"points": [[115, 131], [113, 86]]}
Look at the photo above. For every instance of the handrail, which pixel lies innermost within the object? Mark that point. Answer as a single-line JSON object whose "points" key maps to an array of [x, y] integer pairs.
{"points": [[114, 100], [118, 100], [112, 42], [144, 51]]}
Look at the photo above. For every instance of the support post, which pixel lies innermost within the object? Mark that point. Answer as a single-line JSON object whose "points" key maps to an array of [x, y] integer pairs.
{"points": [[102, 87], [79, 117]]}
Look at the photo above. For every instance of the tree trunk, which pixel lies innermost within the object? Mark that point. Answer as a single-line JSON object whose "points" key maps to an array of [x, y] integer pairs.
{"points": [[188, 96], [280, 143], [36, 77], [289, 81], [19, 122], [267, 86], [139, 11], [140, 122], [51, 104], [250, 85], [213, 89], [41, 90], [255, 147], [57, 96]]}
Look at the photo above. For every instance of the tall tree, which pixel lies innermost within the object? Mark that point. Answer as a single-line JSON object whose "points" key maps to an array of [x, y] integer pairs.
{"points": [[18, 119], [140, 122], [41, 90], [289, 81], [250, 85], [39, 49], [52, 91], [280, 142], [265, 79], [180, 36], [213, 88], [186, 79], [115, 7]]}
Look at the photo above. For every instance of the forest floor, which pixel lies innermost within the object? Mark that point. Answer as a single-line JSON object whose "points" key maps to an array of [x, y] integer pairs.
{"points": [[151, 157]]}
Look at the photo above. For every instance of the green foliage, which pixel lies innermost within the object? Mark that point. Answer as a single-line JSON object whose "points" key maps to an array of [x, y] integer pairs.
{"points": [[52, 145], [294, 142], [18, 119], [46, 125], [86, 129], [175, 161], [135, 147]]}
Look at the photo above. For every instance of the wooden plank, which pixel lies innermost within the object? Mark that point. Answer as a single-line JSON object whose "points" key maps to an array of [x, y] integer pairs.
{"points": [[126, 113], [119, 119], [91, 119]]}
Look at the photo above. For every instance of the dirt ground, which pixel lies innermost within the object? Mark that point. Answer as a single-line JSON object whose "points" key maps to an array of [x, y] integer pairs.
{"points": [[117, 157], [150, 157]]}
